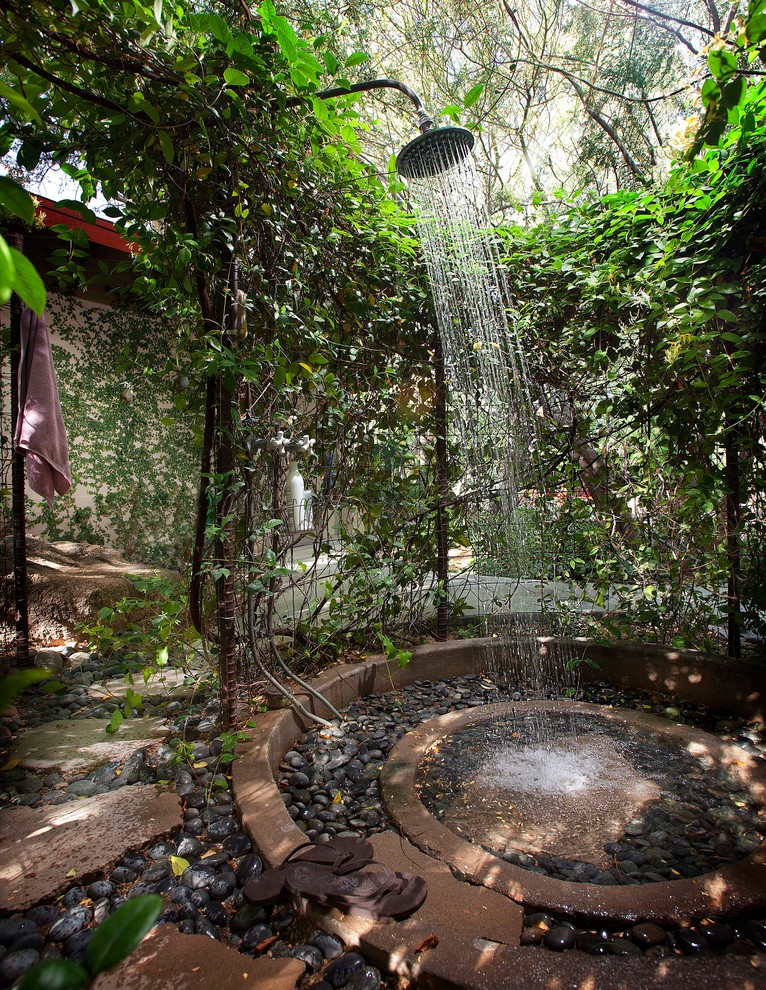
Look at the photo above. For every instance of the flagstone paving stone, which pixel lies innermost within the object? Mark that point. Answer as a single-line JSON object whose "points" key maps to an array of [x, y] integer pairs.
{"points": [[40, 847], [81, 745], [171, 681], [168, 960]]}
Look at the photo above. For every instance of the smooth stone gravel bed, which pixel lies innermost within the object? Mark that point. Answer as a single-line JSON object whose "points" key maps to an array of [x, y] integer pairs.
{"points": [[330, 786], [204, 892], [703, 820], [732, 937]]}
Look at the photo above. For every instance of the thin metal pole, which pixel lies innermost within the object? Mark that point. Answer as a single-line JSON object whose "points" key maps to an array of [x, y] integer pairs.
{"points": [[425, 121], [733, 498], [226, 603], [18, 509], [442, 494]]}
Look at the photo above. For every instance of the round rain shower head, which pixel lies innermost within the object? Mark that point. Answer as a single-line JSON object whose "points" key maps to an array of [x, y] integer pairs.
{"points": [[434, 152]]}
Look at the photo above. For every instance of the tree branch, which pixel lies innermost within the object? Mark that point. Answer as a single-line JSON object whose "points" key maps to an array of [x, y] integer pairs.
{"points": [[609, 130], [715, 20], [601, 89], [83, 94], [668, 17], [650, 20], [122, 63], [515, 21]]}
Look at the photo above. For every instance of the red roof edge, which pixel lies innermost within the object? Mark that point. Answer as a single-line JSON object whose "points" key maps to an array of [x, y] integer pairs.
{"points": [[101, 232]]}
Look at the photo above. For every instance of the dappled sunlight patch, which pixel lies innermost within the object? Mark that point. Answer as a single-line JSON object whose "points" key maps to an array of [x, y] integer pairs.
{"points": [[717, 890], [42, 850]]}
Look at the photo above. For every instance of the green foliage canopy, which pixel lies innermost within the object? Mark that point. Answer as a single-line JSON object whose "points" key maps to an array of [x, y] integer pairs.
{"points": [[645, 313]]}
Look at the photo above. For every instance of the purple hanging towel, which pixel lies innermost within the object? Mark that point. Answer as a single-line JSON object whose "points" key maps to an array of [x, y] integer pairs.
{"points": [[40, 430]]}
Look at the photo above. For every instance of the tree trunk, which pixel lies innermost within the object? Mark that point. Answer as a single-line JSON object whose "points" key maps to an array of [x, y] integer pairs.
{"points": [[594, 476], [196, 608], [224, 558], [442, 495]]}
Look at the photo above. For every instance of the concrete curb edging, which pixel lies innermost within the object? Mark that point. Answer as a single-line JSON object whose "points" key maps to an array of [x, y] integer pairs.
{"points": [[738, 888]]}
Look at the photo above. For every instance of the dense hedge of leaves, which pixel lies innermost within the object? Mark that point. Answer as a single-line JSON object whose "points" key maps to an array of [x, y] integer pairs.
{"points": [[645, 313]]}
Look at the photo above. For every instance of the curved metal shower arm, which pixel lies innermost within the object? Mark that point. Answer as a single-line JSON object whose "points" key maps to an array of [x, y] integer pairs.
{"points": [[425, 121]]}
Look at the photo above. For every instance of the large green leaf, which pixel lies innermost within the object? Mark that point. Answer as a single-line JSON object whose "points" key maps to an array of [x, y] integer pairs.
{"points": [[13, 684], [7, 271], [74, 204], [121, 933], [234, 77], [17, 100], [320, 108], [28, 283], [28, 155], [722, 63], [16, 200], [166, 146], [756, 28], [115, 722], [473, 95], [212, 23], [55, 974], [710, 92], [286, 37]]}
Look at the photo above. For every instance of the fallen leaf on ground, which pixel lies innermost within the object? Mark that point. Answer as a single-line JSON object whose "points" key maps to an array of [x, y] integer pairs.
{"points": [[266, 943], [429, 942]]}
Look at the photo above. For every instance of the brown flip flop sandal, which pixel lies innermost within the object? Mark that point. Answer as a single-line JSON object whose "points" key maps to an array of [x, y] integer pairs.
{"points": [[338, 856], [379, 895]]}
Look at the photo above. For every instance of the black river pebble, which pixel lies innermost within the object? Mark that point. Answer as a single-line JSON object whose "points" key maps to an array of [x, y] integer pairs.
{"points": [[69, 924], [15, 964], [12, 929], [340, 970], [367, 978], [255, 936], [310, 955]]}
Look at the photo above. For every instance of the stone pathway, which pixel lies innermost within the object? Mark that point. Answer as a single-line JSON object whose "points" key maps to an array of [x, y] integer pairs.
{"points": [[91, 819], [80, 746], [168, 960], [44, 850]]}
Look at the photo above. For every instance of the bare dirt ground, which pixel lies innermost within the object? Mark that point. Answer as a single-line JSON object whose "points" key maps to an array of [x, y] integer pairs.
{"points": [[67, 584]]}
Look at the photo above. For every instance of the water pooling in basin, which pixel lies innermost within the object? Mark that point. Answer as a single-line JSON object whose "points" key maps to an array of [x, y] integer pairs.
{"points": [[604, 804]]}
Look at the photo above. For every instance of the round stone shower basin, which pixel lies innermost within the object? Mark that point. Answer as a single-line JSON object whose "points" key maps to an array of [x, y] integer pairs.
{"points": [[499, 801]]}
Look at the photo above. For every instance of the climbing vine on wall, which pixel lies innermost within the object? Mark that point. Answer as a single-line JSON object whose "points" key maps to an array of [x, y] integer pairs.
{"points": [[134, 466]]}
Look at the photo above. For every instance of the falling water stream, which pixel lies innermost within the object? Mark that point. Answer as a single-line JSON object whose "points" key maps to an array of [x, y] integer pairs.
{"points": [[485, 364], [491, 397]]}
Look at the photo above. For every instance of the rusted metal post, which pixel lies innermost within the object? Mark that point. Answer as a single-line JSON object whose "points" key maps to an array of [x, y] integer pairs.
{"points": [[226, 601], [18, 509], [733, 498]]}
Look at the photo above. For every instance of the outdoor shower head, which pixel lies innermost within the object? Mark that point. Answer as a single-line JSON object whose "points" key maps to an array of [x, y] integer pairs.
{"points": [[433, 152]]}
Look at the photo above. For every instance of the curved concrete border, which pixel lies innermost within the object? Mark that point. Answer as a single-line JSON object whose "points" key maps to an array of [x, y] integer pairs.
{"points": [[739, 887], [475, 963]]}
